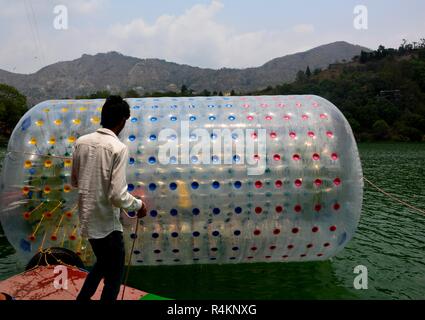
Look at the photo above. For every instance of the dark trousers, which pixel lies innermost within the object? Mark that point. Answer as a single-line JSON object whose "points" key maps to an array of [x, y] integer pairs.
{"points": [[110, 256]]}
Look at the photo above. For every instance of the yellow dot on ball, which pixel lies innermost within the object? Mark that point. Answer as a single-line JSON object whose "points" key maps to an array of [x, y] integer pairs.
{"points": [[83, 109], [67, 163], [99, 108], [47, 189], [39, 123], [71, 139], [28, 164], [48, 163], [58, 122], [33, 140], [46, 109], [76, 121], [95, 120], [52, 140], [66, 188], [64, 109], [25, 190]]}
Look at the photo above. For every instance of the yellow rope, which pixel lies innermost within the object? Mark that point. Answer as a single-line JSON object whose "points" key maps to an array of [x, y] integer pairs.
{"points": [[393, 197]]}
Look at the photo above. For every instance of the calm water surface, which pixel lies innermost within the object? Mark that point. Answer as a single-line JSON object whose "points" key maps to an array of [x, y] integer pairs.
{"points": [[390, 242]]}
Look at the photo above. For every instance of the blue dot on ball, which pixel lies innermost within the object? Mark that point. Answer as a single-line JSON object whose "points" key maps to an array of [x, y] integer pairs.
{"points": [[195, 211], [238, 210], [215, 159], [173, 160], [130, 187], [237, 184], [192, 118], [216, 184], [152, 137], [155, 235], [173, 186], [174, 234], [154, 119], [134, 119], [231, 118], [152, 186], [196, 233], [132, 137], [173, 212], [173, 118], [153, 213], [131, 213], [216, 210], [152, 160], [215, 233], [237, 232], [195, 185], [211, 118], [131, 161], [236, 158], [235, 248]]}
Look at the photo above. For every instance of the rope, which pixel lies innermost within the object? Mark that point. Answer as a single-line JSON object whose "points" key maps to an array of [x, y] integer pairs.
{"points": [[129, 261], [38, 154], [393, 197]]}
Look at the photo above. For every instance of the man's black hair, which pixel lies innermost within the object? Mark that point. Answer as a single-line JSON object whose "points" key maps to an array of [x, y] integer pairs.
{"points": [[113, 111]]}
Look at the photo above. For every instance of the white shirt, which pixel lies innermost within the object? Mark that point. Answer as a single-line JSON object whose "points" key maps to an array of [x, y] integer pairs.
{"points": [[99, 172]]}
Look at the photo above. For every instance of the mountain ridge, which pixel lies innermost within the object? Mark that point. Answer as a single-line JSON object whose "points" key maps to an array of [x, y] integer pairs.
{"points": [[117, 72]]}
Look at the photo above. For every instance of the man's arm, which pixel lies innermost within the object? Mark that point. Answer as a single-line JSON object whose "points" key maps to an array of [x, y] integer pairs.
{"points": [[118, 194]]}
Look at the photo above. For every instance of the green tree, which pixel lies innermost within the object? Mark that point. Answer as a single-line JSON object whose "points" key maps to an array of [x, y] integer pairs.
{"points": [[308, 72], [381, 130], [13, 105]]}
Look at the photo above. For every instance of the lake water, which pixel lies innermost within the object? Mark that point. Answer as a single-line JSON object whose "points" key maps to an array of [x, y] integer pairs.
{"points": [[390, 242]]}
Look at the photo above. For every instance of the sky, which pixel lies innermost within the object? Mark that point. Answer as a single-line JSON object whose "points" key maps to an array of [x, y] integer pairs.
{"points": [[207, 33]]}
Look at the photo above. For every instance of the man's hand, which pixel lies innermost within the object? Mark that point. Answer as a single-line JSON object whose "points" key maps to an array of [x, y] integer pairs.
{"points": [[142, 211]]}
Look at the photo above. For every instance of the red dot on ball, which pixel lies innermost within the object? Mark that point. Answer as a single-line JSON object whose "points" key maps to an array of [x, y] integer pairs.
{"points": [[315, 229], [276, 231], [327, 244], [258, 210], [257, 232], [316, 156], [295, 230], [298, 183], [279, 209], [273, 135], [296, 157], [337, 181], [272, 247], [297, 208], [258, 184], [334, 156], [318, 182], [290, 247], [276, 157], [318, 207], [337, 206], [278, 183]]}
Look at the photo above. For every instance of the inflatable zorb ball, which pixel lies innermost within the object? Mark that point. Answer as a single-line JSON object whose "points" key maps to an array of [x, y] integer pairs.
{"points": [[227, 179]]}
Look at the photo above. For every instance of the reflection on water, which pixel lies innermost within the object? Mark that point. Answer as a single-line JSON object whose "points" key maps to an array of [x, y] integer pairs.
{"points": [[390, 242]]}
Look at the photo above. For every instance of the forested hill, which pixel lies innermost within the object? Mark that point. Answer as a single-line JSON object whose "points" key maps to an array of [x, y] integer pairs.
{"points": [[382, 93]]}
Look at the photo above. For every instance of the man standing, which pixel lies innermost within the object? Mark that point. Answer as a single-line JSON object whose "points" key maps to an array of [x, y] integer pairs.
{"points": [[99, 172]]}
